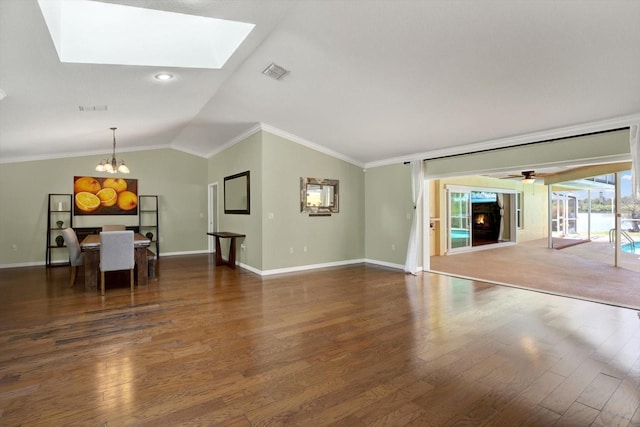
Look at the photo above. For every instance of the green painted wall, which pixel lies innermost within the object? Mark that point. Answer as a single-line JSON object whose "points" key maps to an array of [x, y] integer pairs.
{"points": [[24, 187], [276, 231], [243, 156], [286, 230], [388, 209]]}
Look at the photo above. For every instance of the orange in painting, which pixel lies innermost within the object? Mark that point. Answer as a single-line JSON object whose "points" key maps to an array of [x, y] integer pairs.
{"points": [[107, 196], [117, 184], [87, 202], [86, 184], [127, 200]]}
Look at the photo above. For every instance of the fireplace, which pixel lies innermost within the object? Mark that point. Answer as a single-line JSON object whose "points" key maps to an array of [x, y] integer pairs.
{"points": [[485, 224], [482, 220]]}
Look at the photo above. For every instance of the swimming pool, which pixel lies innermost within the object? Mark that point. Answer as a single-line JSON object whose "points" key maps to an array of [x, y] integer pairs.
{"points": [[632, 248], [459, 233]]}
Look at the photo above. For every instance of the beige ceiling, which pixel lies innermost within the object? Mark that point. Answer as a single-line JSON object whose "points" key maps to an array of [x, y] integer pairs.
{"points": [[370, 80]]}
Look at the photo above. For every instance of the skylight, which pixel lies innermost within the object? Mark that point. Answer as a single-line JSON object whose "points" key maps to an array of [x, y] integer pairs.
{"points": [[93, 32]]}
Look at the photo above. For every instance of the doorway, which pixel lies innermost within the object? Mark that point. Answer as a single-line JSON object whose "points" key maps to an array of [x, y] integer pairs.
{"points": [[564, 214], [212, 225]]}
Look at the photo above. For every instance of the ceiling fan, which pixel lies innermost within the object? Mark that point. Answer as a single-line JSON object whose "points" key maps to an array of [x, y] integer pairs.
{"points": [[527, 177]]}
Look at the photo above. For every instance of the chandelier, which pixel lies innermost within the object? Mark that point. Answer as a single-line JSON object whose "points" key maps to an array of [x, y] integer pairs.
{"points": [[111, 165]]}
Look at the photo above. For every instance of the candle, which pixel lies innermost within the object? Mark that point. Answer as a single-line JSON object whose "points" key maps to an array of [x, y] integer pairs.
{"points": [[60, 206]]}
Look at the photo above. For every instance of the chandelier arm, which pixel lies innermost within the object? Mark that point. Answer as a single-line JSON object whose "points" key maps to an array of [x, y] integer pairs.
{"points": [[114, 143], [110, 165]]}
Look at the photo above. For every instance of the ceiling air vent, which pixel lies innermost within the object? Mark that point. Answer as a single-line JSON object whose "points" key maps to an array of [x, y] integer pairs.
{"points": [[92, 108], [275, 71]]}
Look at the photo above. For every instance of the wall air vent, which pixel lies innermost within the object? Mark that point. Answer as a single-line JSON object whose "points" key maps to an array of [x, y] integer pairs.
{"points": [[275, 71], [92, 108]]}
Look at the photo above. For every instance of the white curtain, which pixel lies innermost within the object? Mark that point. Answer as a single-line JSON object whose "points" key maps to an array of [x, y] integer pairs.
{"points": [[634, 141], [501, 206], [417, 183]]}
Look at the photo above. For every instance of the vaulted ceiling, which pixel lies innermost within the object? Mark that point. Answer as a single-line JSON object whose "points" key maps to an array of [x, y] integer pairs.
{"points": [[369, 80]]}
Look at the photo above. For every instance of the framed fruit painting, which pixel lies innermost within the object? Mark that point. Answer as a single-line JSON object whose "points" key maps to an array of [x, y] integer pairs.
{"points": [[104, 196]]}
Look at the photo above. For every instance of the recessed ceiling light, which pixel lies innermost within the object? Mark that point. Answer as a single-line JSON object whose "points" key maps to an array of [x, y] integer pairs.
{"points": [[163, 76], [95, 32]]}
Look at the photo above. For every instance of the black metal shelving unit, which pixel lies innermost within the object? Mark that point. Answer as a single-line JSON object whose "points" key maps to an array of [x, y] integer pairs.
{"points": [[59, 208], [148, 220]]}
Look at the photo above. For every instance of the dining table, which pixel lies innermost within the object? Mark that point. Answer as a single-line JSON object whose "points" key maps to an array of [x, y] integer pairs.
{"points": [[90, 246]]}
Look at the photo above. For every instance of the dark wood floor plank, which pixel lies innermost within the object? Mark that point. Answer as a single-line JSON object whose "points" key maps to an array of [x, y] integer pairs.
{"points": [[598, 393], [573, 386], [578, 415], [622, 406]]}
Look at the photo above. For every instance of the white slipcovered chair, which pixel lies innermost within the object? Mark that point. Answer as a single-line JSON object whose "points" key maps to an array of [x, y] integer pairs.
{"points": [[76, 257], [116, 253]]}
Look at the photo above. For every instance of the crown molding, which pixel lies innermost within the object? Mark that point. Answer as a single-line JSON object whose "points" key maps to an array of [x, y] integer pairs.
{"points": [[186, 151], [233, 141], [312, 145], [58, 156], [286, 135]]}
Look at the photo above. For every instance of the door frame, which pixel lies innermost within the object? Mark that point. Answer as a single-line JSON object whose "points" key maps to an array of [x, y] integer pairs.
{"points": [[213, 215], [513, 231]]}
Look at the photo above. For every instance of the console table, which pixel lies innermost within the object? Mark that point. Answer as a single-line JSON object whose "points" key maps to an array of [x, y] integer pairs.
{"points": [[231, 260]]}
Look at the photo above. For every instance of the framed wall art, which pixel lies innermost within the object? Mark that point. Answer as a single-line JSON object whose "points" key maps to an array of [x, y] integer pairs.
{"points": [[105, 196]]}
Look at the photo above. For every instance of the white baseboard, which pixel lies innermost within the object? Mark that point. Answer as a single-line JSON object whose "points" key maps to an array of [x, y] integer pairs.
{"points": [[203, 251], [305, 267], [24, 264], [385, 264], [253, 269]]}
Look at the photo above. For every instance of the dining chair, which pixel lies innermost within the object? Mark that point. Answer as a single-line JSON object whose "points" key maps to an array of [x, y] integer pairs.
{"points": [[116, 253], [113, 227], [76, 257]]}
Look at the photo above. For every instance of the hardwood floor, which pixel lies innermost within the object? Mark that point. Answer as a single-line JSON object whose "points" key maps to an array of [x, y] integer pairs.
{"points": [[350, 346]]}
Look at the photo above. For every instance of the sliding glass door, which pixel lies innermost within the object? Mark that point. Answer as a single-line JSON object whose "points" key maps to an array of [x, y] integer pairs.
{"points": [[478, 216], [459, 227]]}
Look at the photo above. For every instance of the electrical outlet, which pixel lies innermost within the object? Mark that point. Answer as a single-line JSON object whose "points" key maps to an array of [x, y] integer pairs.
{"points": [[304, 249], [14, 247], [290, 250], [242, 247], [393, 247]]}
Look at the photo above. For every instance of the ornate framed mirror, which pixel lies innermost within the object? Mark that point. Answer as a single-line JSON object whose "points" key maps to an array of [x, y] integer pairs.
{"points": [[319, 196]]}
